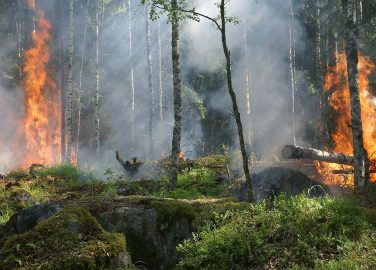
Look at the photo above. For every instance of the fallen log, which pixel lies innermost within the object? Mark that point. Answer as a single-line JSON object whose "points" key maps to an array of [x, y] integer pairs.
{"points": [[299, 152], [346, 172]]}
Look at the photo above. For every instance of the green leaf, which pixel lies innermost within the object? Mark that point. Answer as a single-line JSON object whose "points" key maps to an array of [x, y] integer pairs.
{"points": [[18, 247]]}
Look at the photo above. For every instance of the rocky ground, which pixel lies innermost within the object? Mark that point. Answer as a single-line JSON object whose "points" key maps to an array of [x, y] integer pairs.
{"points": [[63, 218]]}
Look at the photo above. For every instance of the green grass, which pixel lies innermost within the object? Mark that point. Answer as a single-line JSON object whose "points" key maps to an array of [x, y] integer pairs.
{"points": [[67, 172], [18, 197], [194, 183], [295, 233]]}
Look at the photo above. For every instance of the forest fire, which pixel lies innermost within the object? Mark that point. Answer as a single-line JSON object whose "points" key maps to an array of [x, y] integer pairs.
{"points": [[336, 81], [41, 125]]}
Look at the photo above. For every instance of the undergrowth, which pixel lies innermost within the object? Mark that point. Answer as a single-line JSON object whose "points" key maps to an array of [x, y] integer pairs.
{"points": [[193, 183], [295, 233]]}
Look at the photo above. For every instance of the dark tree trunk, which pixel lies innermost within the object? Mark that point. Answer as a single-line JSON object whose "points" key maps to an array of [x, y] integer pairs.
{"points": [[233, 96], [176, 137], [362, 163]]}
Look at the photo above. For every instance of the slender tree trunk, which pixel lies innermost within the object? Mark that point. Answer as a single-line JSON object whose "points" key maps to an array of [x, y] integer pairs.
{"points": [[97, 84], [63, 92], [359, 15], [150, 81], [319, 78], [248, 81], [70, 83], [318, 50], [160, 72], [176, 137], [233, 98], [292, 72], [80, 87], [362, 162], [19, 38], [131, 72]]}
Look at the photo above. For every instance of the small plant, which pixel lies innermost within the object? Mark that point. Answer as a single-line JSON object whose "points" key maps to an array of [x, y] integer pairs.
{"points": [[109, 190]]}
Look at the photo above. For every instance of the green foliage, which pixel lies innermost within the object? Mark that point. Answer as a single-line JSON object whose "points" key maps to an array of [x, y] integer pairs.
{"points": [[192, 99], [194, 183], [66, 172], [172, 210], [71, 239], [109, 190], [17, 174], [295, 233], [17, 197]]}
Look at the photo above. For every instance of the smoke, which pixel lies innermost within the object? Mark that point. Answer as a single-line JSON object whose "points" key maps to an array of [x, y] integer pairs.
{"points": [[267, 26]]}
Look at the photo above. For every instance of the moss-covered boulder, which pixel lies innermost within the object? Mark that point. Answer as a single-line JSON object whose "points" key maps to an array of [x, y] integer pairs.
{"points": [[70, 239], [154, 227]]}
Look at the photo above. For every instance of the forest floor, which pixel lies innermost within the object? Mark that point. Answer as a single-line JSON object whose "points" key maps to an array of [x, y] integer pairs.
{"points": [[208, 229]]}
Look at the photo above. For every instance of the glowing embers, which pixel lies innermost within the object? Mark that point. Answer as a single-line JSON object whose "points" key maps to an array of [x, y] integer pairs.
{"points": [[337, 83], [41, 125]]}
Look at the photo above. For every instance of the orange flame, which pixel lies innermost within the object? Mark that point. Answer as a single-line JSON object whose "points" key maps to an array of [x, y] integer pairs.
{"points": [[337, 81], [181, 155], [41, 124]]}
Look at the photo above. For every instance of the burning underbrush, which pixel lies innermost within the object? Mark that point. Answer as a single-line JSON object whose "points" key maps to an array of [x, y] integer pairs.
{"points": [[336, 85]]}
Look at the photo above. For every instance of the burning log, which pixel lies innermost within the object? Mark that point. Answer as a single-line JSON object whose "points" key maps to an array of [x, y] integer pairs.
{"points": [[299, 152], [347, 172]]}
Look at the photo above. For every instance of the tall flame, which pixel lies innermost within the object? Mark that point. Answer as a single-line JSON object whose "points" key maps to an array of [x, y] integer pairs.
{"points": [[41, 124], [337, 82]]}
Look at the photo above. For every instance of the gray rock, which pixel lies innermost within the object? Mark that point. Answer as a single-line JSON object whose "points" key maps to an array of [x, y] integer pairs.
{"points": [[151, 236], [273, 181], [28, 218]]}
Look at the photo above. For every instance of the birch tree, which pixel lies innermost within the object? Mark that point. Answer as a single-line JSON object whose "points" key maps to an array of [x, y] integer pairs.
{"points": [[174, 14], [248, 90], [220, 24], [17, 17], [131, 71], [97, 83], [69, 103], [150, 82], [63, 76], [362, 162], [80, 85], [160, 76], [292, 71]]}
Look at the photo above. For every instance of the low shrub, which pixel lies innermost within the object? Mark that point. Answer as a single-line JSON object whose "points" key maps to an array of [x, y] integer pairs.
{"points": [[289, 233]]}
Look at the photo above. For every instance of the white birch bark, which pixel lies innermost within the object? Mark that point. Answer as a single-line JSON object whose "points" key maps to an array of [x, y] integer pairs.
{"points": [[160, 77], [97, 84], [150, 82], [292, 72], [69, 122]]}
